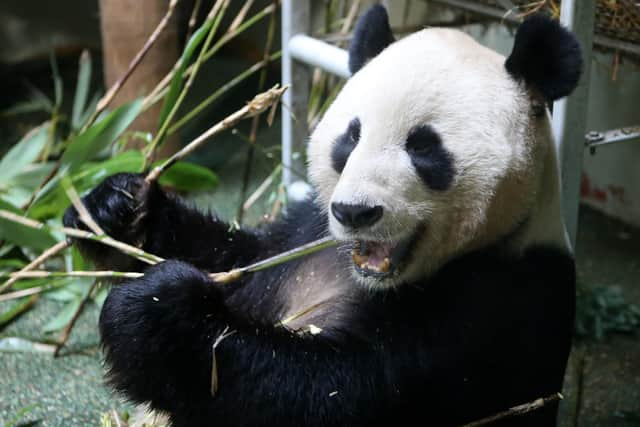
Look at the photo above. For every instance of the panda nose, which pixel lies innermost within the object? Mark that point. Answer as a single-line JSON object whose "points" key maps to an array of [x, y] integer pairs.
{"points": [[356, 216]]}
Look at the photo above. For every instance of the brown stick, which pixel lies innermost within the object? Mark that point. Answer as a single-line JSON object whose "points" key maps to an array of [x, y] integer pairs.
{"points": [[517, 410], [257, 105], [66, 333], [52, 251], [81, 234], [255, 122]]}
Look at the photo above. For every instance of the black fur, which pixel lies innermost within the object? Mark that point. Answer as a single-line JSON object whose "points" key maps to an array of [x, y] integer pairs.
{"points": [[546, 56], [344, 145], [487, 332], [371, 35], [433, 163]]}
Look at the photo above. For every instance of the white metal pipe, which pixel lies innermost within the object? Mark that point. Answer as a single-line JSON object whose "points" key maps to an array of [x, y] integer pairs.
{"points": [[320, 54], [287, 121]]}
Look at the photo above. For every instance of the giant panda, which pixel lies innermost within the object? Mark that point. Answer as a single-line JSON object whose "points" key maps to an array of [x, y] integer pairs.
{"points": [[450, 296]]}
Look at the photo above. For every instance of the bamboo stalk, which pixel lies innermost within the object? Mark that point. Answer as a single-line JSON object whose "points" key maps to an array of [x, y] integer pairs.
{"points": [[255, 122], [83, 213], [257, 105], [219, 92], [66, 333], [517, 410], [301, 251], [193, 19], [24, 292], [81, 234], [52, 251], [40, 274], [215, 15], [113, 91], [261, 188]]}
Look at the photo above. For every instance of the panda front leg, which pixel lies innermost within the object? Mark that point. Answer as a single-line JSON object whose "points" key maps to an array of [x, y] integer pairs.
{"points": [[142, 214], [158, 333]]}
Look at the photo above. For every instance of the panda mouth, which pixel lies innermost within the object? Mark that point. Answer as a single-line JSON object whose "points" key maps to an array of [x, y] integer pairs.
{"points": [[379, 259]]}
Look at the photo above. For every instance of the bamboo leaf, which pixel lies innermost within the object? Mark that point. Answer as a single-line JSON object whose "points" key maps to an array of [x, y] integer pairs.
{"points": [[22, 235], [17, 309], [53, 202], [186, 176], [63, 318], [89, 143], [57, 80], [82, 90], [23, 153]]}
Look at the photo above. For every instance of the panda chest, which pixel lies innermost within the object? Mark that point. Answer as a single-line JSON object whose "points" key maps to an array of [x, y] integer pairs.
{"points": [[317, 294]]}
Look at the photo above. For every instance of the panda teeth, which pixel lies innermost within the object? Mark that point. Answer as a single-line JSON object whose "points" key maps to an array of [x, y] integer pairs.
{"points": [[385, 266], [360, 260]]}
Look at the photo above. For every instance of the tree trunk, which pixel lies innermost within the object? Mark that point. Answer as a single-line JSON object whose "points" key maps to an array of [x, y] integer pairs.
{"points": [[126, 26]]}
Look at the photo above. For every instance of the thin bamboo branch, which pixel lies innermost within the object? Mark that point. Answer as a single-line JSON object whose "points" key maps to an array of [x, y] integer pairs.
{"points": [[301, 251], [222, 277], [162, 87], [240, 16], [66, 333], [25, 292], [257, 105], [219, 92], [83, 213], [517, 410], [215, 15], [52, 251], [261, 188], [113, 91], [81, 234], [194, 18], [255, 122], [40, 274]]}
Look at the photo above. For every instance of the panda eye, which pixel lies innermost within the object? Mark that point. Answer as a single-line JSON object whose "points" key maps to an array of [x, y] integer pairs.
{"points": [[422, 140], [344, 145]]}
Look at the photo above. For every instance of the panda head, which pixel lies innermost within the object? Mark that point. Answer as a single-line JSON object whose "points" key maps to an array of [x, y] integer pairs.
{"points": [[437, 145]]}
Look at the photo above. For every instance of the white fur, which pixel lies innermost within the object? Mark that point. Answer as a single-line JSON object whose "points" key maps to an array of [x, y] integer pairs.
{"points": [[505, 165]]}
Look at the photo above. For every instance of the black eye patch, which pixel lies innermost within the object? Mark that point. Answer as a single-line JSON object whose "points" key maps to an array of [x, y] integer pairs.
{"points": [[433, 163], [344, 145]]}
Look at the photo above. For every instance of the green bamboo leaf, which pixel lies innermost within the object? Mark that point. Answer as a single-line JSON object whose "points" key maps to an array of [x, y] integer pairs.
{"points": [[39, 97], [20, 234], [24, 107], [91, 107], [186, 176], [57, 80], [82, 90], [23, 153], [89, 143], [176, 82], [54, 202], [63, 318], [16, 310]]}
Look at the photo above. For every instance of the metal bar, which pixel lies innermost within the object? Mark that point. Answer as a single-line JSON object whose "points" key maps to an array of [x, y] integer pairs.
{"points": [[296, 19], [320, 54], [595, 138], [570, 114]]}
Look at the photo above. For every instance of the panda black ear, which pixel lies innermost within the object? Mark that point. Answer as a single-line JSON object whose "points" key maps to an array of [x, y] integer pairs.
{"points": [[371, 35], [546, 56]]}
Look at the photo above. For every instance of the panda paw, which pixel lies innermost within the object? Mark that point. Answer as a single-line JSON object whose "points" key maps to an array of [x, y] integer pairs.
{"points": [[156, 327], [120, 206]]}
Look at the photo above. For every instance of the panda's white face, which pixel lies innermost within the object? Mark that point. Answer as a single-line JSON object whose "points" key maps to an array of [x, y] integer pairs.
{"points": [[428, 151]]}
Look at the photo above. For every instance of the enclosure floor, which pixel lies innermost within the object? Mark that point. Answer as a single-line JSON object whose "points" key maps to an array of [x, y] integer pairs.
{"points": [[603, 382]]}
